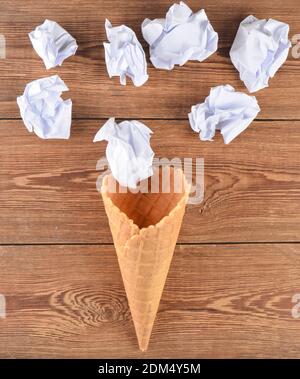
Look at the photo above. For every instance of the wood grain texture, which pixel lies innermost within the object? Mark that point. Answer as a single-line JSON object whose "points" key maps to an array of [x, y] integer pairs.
{"points": [[167, 95], [219, 301], [252, 186]]}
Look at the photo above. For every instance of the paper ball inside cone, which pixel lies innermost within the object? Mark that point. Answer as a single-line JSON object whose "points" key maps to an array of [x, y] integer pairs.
{"points": [[145, 226]]}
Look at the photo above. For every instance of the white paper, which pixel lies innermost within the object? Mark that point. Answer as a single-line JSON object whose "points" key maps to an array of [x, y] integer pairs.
{"points": [[259, 50], [52, 43], [225, 110], [124, 55], [128, 152], [181, 36], [43, 110]]}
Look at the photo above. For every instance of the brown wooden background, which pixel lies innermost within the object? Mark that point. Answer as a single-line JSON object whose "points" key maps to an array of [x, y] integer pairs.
{"points": [[237, 263]]}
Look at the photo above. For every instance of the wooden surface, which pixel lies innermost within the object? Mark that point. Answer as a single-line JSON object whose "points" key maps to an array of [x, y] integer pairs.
{"points": [[69, 301], [252, 186], [237, 264]]}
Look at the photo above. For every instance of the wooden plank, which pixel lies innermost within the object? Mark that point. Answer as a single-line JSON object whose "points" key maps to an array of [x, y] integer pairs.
{"points": [[219, 301], [252, 190], [167, 95]]}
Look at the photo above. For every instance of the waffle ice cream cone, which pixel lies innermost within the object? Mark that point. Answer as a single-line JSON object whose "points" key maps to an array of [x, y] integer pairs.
{"points": [[145, 228]]}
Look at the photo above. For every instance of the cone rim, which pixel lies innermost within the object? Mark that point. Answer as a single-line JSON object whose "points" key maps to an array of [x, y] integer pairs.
{"points": [[140, 231]]}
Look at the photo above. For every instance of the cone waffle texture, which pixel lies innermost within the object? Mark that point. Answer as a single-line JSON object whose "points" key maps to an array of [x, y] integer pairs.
{"points": [[145, 228]]}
